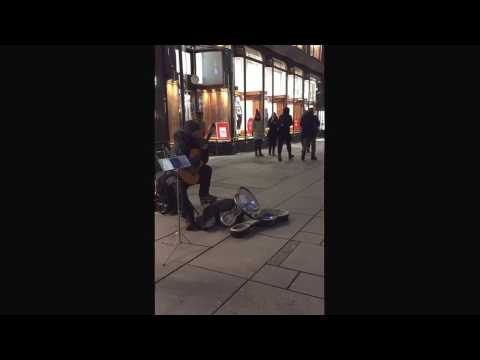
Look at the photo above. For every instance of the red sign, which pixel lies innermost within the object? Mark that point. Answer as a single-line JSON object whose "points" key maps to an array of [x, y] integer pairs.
{"points": [[250, 127], [223, 130]]}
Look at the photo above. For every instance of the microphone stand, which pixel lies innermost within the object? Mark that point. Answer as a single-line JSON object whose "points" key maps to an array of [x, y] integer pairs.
{"points": [[179, 232]]}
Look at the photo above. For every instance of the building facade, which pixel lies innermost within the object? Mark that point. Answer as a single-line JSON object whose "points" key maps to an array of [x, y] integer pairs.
{"points": [[226, 84]]}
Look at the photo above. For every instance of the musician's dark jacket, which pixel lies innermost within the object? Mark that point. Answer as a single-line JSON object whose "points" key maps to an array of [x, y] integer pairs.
{"points": [[185, 143]]}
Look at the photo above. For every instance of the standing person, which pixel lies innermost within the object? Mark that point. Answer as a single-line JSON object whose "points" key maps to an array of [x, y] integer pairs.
{"points": [[258, 133], [272, 134], [301, 134], [309, 124], [284, 135]]}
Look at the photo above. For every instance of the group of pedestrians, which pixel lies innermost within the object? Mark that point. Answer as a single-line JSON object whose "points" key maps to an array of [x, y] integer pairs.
{"points": [[279, 133]]}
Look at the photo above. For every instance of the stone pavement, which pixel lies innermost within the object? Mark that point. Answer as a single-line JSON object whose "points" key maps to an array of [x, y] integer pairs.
{"points": [[272, 271]]}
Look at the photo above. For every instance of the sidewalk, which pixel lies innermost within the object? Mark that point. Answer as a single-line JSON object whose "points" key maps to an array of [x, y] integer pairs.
{"points": [[277, 270]]}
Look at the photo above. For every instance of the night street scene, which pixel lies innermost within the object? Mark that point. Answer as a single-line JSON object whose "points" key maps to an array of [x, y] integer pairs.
{"points": [[239, 179]]}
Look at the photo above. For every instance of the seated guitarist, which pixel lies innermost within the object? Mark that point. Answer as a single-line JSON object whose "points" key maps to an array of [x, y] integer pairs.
{"points": [[189, 141]]}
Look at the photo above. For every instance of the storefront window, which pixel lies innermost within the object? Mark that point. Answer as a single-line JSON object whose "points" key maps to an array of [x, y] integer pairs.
{"points": [[321, 117], [268, 93], [313, 91], [253, 94], [290, 97], [239, 105], [298, 101], [306, 93], [254, 54], [317, 51], [187, 63], [215, 107], [279, 91], [209, 66]]}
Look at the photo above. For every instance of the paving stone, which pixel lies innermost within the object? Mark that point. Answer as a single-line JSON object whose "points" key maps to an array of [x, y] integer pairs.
{"points": [[240, 256], [208, 238], [309, 238], [166, 225], [193, 291], [289, 228], [252, 181], [259, 299], [278, 258], [316, 225], [274, 275], [307, 258], [302, 205], [309, 284], [182, 255]]}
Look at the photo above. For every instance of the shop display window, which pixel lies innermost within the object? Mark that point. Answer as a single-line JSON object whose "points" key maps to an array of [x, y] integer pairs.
{"points": [[254, 54], [253, 94], [298, 101], [306, 91], [187, 62], [239, 104], [174, 107], [321, 117], [279, 90], [317, 52], [313, 91], [215, 107], [209, 67], [298, 87], [279, 64]]}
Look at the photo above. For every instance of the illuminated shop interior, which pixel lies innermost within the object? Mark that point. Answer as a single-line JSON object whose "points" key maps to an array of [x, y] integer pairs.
{"points": [[227, 84]]}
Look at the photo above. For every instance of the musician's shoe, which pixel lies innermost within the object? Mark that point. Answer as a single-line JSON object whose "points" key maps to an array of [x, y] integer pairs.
{"points": [[192, 227], [207, 199]]}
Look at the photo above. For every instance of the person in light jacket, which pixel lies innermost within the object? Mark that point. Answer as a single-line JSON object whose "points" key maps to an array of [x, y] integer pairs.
{"points": [[258, 133]]}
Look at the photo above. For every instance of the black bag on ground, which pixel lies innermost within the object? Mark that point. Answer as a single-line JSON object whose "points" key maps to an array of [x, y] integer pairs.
{"points": [[211, 214], [165, 197]]}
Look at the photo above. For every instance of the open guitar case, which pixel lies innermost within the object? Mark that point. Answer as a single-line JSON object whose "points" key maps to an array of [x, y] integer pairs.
{"points": [[232, 213]]}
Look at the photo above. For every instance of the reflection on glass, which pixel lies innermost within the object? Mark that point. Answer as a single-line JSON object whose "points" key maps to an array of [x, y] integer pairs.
{"points": [[209, 67]]}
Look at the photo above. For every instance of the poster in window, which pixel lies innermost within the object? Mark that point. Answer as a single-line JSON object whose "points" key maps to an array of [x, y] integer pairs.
{"points": [[223, 130]]}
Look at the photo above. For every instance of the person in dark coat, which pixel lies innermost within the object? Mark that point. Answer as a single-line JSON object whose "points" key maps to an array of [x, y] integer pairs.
{"points": [[284, 136], [272, 134], [309, 124]]}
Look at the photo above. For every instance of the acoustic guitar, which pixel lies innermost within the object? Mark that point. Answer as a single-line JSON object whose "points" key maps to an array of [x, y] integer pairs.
{"points": [[190, 175]]}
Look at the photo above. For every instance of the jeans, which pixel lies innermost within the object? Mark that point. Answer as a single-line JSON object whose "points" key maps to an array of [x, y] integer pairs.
{"points": [[205, 179], [272, 144], [258, 146], [287, 140], [306, 143]]}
